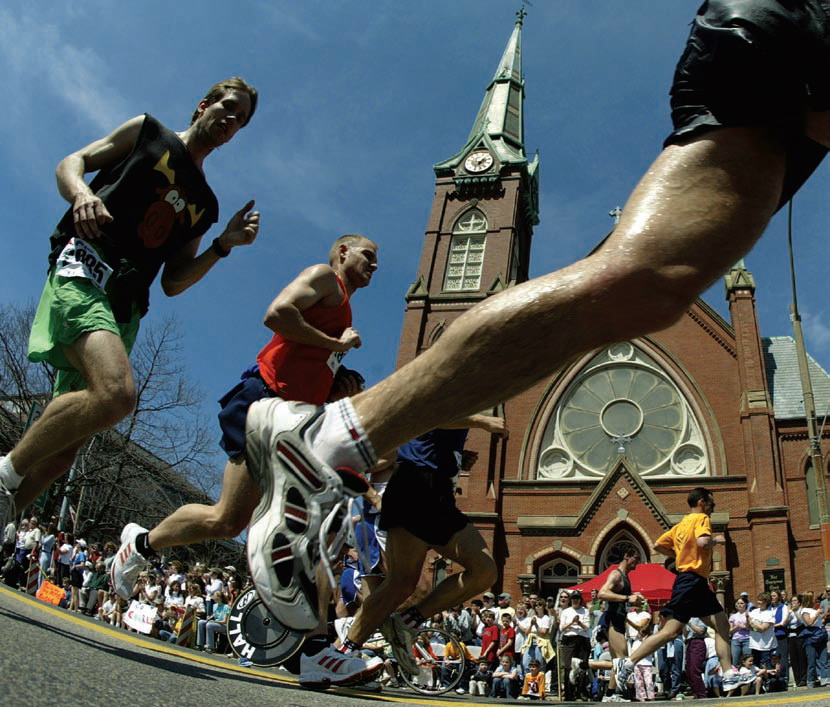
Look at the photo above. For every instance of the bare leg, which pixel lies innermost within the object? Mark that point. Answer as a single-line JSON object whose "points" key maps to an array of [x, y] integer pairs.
{"points": [[404, 561], [655, 641], [41, 476], [698, 210], [196, 522], [720, 623], [468, 549], [619, 649], [72, 418]]}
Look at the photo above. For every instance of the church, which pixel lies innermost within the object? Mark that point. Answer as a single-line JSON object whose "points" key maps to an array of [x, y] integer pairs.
{"points": [[603, 453]]}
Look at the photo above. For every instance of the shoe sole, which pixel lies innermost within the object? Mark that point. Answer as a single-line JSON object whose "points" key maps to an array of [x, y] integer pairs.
{"points": [[283, 547]]}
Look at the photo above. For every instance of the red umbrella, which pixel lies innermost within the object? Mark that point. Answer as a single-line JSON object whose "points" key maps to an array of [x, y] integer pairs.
{"points": [[653, 581]]}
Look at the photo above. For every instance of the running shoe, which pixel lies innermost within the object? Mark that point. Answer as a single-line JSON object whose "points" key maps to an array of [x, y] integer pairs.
{"points": [[128, 562], [331, 667], [576, 670], [625, 669], [614, 697], [401, 638], [299, 493]]}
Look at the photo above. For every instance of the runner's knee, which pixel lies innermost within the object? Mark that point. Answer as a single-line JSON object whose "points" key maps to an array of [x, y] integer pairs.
{"points": [[227, 522]]}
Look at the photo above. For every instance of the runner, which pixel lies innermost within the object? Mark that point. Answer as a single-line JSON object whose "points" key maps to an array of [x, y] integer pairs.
{"points": [[146, 210], [751, 122], [418, 513], [311, 320], [690, 544], [617, 593]]}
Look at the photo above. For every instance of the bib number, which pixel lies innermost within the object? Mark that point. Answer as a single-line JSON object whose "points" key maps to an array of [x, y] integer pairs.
{"points": [[335, 361], [79, 259]]}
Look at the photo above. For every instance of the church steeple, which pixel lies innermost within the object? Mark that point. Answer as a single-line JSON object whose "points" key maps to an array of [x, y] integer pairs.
{"points": [[485, 205], [495, 146]]}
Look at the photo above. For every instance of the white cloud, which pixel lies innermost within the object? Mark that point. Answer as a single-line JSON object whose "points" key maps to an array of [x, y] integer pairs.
{"points": [[43, 62]]}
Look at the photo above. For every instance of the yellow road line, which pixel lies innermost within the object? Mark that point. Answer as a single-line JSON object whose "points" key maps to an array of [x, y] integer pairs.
{"points": [[170, 649]]}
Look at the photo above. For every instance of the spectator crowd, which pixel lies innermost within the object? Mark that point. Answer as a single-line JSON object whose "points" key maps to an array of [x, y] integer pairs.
{"points": [[535, 649]]}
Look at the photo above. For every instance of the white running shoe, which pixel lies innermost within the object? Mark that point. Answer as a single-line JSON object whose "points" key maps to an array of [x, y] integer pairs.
{"points": [[401, 639], [576, 670], [731, 679], [331, 667], [614, 697], [298, 493], [128, 562]]}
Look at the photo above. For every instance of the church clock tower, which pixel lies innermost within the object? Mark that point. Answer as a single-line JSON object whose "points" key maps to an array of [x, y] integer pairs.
{"points": [[477, 240]]}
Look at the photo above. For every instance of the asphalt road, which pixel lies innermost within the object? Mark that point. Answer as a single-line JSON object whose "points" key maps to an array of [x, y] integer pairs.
{"points": [[52, 657]]}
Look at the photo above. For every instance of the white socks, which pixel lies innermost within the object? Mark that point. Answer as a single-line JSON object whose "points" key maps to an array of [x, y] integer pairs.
{"points": [[8, 476], [339, 440]]}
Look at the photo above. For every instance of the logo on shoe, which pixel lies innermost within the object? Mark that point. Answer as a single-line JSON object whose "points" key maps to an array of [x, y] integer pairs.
{"points": [[293, 458]]}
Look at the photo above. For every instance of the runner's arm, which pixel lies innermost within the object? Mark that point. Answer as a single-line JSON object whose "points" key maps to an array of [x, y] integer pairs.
{"points": [[185, 268], [489, 423], [88, 210], [311, 287]]}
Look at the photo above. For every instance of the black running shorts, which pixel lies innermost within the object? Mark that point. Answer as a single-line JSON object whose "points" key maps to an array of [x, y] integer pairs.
{"points": [[758, 62], [422, 501]]}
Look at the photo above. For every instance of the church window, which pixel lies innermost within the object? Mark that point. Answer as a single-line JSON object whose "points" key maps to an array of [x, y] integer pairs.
{"points": [[466, 252], [622, 403], [557, 574]]}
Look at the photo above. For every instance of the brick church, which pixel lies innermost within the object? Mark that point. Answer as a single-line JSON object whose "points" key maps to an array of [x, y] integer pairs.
{"points": [[605, 451]]}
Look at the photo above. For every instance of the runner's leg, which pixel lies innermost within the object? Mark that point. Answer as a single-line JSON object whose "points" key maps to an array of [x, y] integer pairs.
{"points": [[73, 417], [227, 519], [697, 211]]}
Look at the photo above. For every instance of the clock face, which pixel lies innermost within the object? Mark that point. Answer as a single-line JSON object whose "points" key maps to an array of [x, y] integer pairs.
{"points": [[478, 162]]}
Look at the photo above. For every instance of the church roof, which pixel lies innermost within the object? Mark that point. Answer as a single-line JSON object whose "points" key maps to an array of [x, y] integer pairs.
{"points": [[784, 380]]}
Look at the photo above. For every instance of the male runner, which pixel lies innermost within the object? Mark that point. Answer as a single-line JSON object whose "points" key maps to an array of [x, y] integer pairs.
{"points": [[146, 210], [418, 513], [311, 319], [751, 112], [690, 544], [617, 593]]}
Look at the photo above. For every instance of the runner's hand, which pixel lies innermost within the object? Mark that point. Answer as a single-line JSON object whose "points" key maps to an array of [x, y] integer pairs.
{"points": [[243, 227], [349, 339], [89, 214]]}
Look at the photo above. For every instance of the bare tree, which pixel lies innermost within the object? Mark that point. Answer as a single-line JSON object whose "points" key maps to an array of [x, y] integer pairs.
{"points": [[162, 456]]}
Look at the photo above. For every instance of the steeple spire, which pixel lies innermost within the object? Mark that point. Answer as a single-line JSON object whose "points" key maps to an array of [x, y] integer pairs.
{"points": [[501, 114]]}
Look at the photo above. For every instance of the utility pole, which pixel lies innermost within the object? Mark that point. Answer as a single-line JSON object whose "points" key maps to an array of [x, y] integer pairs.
{"points": [[810, 415]]}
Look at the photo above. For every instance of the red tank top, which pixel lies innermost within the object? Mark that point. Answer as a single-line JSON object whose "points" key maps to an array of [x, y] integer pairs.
{"points": [[301, 371]]}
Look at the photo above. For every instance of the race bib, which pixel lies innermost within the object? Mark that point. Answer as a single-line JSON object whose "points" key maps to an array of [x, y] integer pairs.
{"points": [[334, 361], [79, 259]]}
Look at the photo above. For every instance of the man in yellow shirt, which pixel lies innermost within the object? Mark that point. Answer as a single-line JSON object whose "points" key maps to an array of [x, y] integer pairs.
{"points": [[690, 543]]}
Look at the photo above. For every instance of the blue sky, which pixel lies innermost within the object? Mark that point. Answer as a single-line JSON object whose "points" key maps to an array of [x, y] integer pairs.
{"points": [[358, 100]]}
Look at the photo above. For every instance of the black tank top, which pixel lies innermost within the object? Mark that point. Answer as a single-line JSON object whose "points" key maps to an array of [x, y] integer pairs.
{"points": [[159, 200], [619, 607]]}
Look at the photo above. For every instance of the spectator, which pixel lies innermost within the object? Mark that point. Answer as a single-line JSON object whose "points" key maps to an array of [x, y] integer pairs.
{"points": [[215, 624], [65, 559], [776, 679], [482, 679], [76, 573], [696, 657], [798, 656], [712, 672], [739, 631], [814, 639], [504, 607], [781, 619], [47, 547], [505, 679], [762, 639], [96, 586], [533, 687], [643, 671], [537, 645], [9, 537], [749, 679], [490, 639], [507, 638], [576, 646]]}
